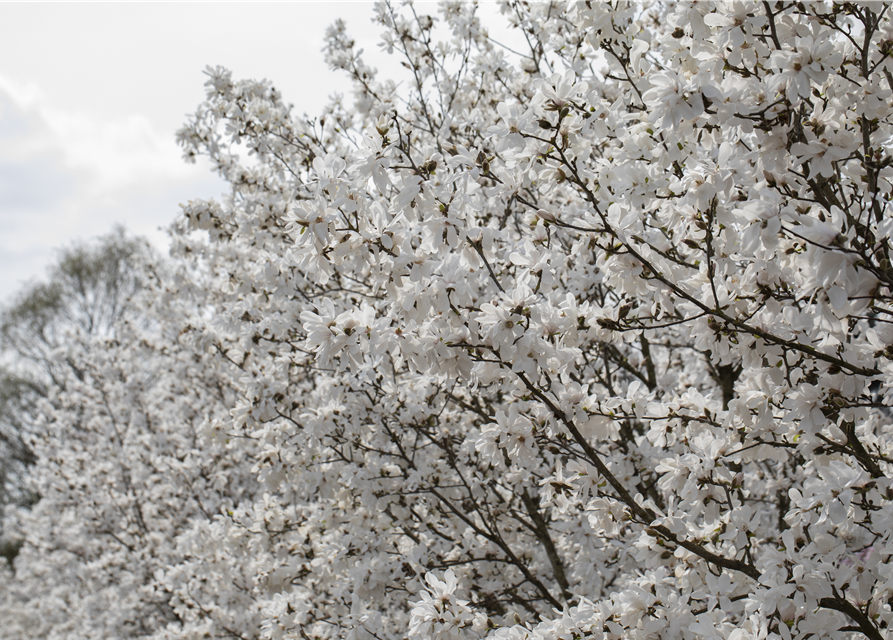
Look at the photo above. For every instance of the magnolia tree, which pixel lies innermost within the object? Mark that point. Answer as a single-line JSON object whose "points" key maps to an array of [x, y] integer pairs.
{"points": [[126, 456], [85, 294], [585, 336]]}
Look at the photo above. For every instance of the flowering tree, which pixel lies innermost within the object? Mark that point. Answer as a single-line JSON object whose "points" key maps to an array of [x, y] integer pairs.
{"points": [[601, 326], [85, 295], [591, 338], [124, 451]]}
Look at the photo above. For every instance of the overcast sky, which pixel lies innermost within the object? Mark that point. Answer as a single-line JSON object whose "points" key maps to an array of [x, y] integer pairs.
{"points": [[91, 95]]}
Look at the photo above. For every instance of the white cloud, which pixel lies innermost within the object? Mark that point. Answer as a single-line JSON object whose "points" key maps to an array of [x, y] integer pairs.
{"points": [[66, 175], [89, 104], [110, 153]]}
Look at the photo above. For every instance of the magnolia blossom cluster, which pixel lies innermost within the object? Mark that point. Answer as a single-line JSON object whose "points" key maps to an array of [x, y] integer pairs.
{"points": [[440, 614], [585, 336]]}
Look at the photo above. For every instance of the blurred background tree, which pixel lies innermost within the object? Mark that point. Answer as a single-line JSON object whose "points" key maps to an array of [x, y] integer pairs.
{"points": [[85, 293]]}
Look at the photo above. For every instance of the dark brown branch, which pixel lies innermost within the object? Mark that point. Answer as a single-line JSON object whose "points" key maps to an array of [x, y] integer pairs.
{"points": [[542, 534]]}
